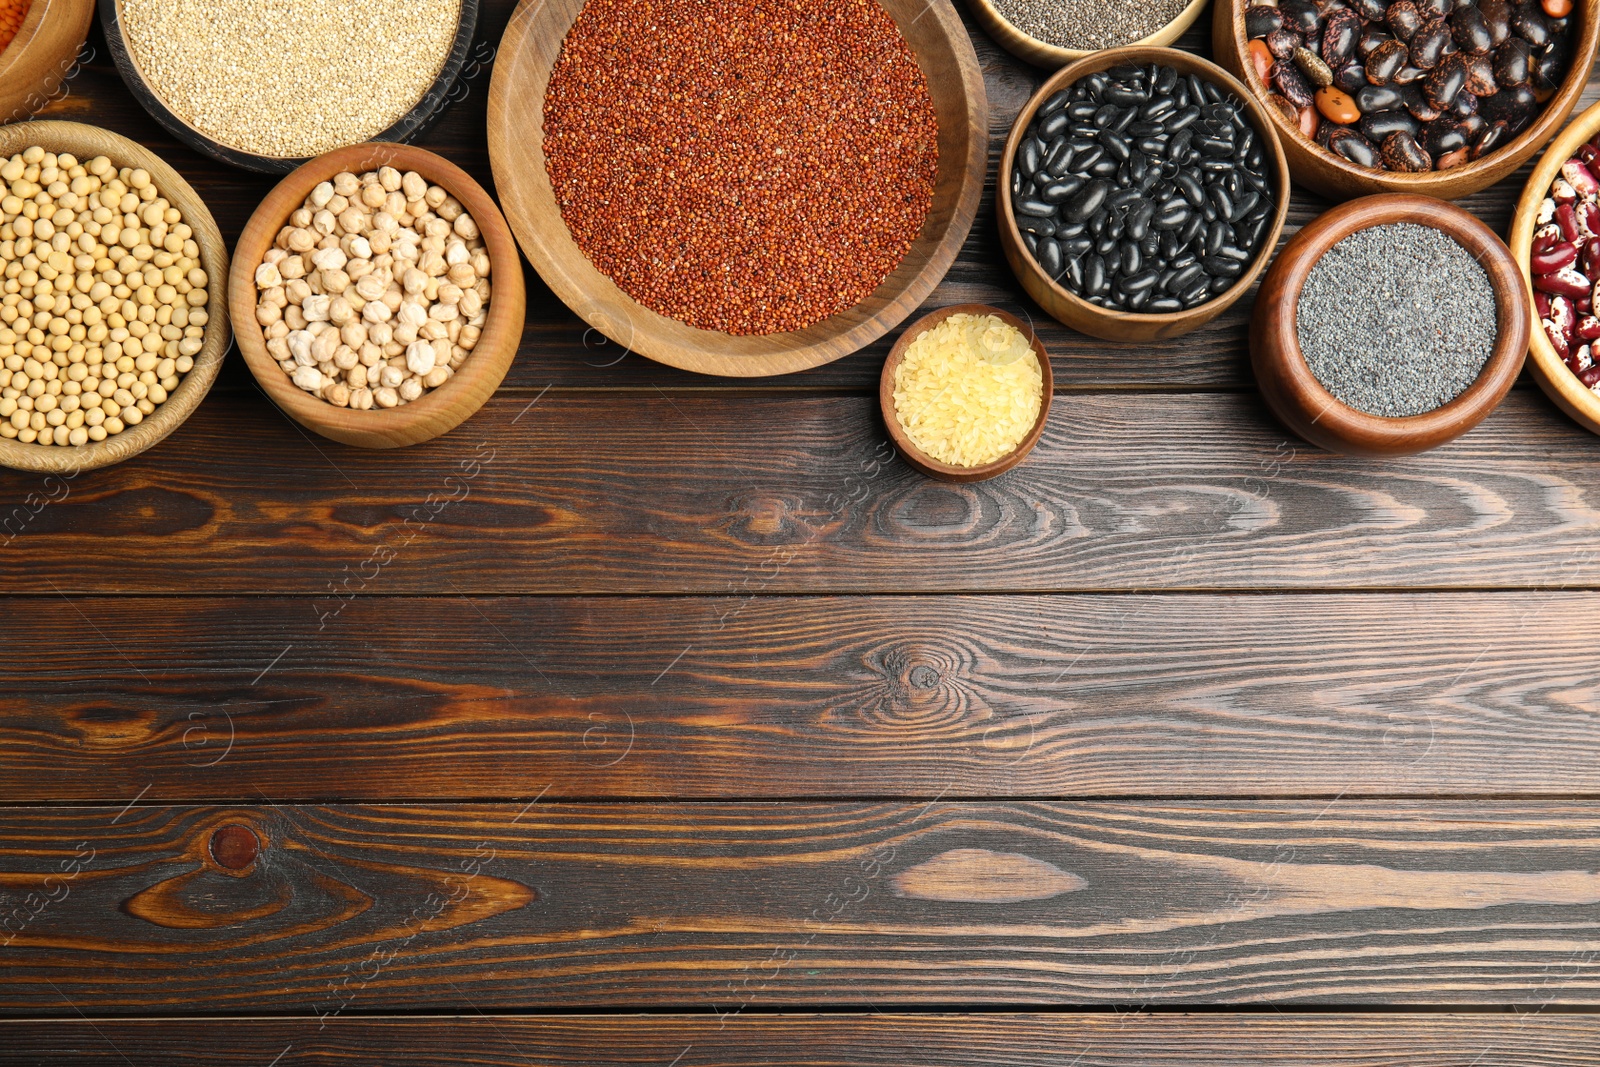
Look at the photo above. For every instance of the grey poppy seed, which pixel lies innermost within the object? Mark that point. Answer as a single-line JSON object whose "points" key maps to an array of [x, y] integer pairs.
{"points": [[1397, 320]]}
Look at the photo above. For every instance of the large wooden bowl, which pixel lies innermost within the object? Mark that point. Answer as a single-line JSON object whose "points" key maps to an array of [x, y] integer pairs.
{"points": [[1553, 376], [1030, 49], [528, 52], [1108, 323], [915, 457], [42, 55], [407, 126], [1294, 393], [1338, 179], [437, 412], [86, 142]]}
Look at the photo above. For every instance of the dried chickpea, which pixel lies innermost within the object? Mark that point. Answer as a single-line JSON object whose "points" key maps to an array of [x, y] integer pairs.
{"points": [[102, 306], [372, 288]]}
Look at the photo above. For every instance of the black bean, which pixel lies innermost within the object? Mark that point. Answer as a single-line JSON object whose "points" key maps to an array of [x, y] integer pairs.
{"points": [[1059, 159], [1199, 294], [1237, 255], [1243, 206], [1059, 192], [1049, 257], [1182, 120], [1172, 215], [1087, 202], [1122, 199], [1150, 245], [1042, 227], [1105, 168], [1077, 247], [1216, 166], [1217, 235], [1083, 110], [1164, 305], [1178, 147], [1115, 144], [1193, 231], [1031, 156], [1086, 157], [1074, 274], [1218, 267], [1131, 258], [1380, 124], [1056, 102], [1094, 274], [1139, 283], [1019, 182], [1214, 146], [1107, 246], [1055, 126], [1184, 278], [1351, 77], [1220, 200], [1124, 95], [1031, 242]]}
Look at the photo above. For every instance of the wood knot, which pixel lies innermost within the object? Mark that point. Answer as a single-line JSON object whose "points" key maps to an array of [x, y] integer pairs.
{"points": [[924, 677], [979, 876], [235, 847]]}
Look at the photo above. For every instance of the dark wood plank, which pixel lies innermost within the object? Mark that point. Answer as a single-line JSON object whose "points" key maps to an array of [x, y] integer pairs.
{"points": [[801, 495], [449, 699], [558, 347], [1103, 1040], [733, 907]]}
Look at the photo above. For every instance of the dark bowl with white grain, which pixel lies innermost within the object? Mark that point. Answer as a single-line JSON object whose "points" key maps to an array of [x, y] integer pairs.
{"points": [[1300, 400]]}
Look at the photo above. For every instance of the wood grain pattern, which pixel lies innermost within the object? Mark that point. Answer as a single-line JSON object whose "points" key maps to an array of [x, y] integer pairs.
{"points": [[1110, 323], [528, 53], [1353, 695], [734, 907], [86, 142], [584, 495], [1292, 390], [442, 409], [885, 1040], [1545, 367], [1339, 179]]}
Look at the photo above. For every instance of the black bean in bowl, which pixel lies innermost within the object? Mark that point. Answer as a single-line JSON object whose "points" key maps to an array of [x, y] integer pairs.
{"points": [[1411, 85], [1143, 189]]}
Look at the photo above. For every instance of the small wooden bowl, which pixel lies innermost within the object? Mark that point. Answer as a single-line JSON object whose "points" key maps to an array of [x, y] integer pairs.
{"points": [[42, 55], [1107, 323], [1338, 179], [86, 142], [409, 125], [1294, 393], [446, 407], [1553, 376], [1030, 49], [528, 53], [916, 457]]}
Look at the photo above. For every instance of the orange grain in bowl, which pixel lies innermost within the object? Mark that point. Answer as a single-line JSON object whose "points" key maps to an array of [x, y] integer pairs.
{"points": [[12, 12]]}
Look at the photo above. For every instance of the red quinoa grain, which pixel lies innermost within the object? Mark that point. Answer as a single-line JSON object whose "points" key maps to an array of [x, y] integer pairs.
{"points": [[747, 166]]}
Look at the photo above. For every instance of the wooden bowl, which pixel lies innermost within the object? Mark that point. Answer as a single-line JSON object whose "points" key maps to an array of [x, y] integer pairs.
{"points": [[1294, 393], [1553, 376], [438, 412], [1030, 49], [409, 125], [527, 54], [86, 142], [916, 457], [1107, 323], [1338, 179], [42, 56]]}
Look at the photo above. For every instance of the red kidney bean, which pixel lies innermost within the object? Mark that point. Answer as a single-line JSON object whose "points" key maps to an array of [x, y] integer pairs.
{"points": [[1552, 259], [1564, 282]]}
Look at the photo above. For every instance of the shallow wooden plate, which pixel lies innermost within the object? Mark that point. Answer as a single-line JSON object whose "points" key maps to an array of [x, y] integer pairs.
{"points": [[1300, 400], [528, 52], [481, 373], [86, 142], [1030, 49], [42, 56], [409, 125], [1553, 376], [1338, 179], [915, 457]]}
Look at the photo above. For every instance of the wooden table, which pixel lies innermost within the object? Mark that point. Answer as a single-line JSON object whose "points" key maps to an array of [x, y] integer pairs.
{"points": [[660, 720]]}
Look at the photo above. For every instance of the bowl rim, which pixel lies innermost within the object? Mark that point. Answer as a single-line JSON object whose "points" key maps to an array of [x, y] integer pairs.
{"points": [[1552, 374], [1101, 60], [597, 300], [1499, 371], [902, 439], [424, 113], [506, 261], [214, 257], [25, 34], [1549, 120], [1052, 55]]}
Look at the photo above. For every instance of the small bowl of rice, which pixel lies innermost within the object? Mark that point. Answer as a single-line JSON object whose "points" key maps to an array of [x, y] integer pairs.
{"points": [[966, 392]]}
